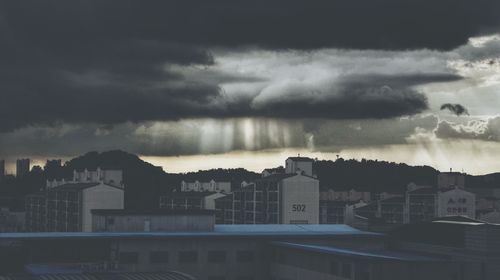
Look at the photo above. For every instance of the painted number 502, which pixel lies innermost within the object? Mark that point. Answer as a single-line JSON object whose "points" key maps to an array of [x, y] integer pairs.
{"points": [[298, 207]]}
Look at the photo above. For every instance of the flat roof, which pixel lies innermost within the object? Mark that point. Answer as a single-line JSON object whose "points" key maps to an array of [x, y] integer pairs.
{"points": [[355, 253], [247, 231]]}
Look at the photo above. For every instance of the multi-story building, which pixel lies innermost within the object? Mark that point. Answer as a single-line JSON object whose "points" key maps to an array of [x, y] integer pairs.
{"points": [[190, 200], [288, 198], [22, 167], [425, 203], [2, 169], [446, 180], [351, 195], [211, 186], [299, 164], [66, 205]]}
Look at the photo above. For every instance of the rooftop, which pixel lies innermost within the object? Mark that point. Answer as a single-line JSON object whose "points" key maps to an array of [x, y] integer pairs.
{"points": [[78, 186], [252, 231], [361, 254], [301, 159]]}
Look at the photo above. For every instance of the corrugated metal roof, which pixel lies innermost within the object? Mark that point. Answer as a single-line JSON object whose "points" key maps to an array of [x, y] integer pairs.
{"points": [[219, 231], [355, 253]]}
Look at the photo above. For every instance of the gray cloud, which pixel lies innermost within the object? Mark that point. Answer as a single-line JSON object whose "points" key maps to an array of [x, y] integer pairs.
{"points": [[111, 62], [456, 109]]}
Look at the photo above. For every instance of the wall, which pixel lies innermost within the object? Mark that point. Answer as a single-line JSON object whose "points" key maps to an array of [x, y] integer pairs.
{"points": [[456, 199], [136, 223], [99, 197], [299, 200]]}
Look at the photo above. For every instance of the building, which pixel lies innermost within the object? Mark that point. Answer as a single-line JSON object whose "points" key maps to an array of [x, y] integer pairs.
{"points": [[286, 198], [351, 195], [427, 203], [446, 180], [337, 212], [22, 167], [2, 169], [190, 200], [473, 244], [275, 199], [299, 164], [112, 220], [66, 205], [211, 186], [246, 252]]}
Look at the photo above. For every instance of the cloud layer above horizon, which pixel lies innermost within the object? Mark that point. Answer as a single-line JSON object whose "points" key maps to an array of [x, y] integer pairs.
{"points": [[167, 78]]}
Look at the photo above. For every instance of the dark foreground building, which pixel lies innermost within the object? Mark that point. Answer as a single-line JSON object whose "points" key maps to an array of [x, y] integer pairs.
{"points": [[244, 252]]}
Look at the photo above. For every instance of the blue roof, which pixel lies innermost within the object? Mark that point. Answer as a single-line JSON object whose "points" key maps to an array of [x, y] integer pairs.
{"points": [[355, 253], [219, 231]]}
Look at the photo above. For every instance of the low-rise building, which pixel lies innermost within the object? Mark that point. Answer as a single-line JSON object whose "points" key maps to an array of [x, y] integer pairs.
{"points": [[112, 220]]}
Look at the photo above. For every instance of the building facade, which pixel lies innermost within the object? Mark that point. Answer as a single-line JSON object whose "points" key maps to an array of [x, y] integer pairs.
{"points": [[190, 200], [22, 167], [211, 186], [65, 206], [275, 199], [285, 198]]}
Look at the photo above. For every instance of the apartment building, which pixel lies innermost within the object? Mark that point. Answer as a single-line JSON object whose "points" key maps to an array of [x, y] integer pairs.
{"points": [[280, 198], [65, 206]]}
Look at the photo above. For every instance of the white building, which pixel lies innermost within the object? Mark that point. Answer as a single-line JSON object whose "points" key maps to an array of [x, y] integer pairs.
{"points": [[282, 198], [211, 186], [299, 164], [66, 205], [455, 202]]}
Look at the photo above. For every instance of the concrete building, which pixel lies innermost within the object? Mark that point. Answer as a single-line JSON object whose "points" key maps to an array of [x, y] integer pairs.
{"points": [[446, 180], [351, 195], [66, 205], [211, 186], [275, 199], [2, 169], [190, 200], [338, 212], [247, 252], [111, 220], [22, 167], [299, 164], [286, 198], [427, 203], [473, 244]]}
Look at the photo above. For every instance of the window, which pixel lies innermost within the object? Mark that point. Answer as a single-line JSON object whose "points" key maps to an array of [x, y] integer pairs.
{"points": [[129, 257], [346, 270], [188, 257], [216, 256], [245, 256], [158, 257], [111, 221], [334, 268]]}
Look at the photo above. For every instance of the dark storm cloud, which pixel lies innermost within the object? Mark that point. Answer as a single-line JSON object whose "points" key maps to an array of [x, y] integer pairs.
{"points": [[353, 97], [373, 24], [110, 61], [456, 109]]}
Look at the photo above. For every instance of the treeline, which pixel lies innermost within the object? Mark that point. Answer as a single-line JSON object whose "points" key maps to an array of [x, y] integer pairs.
{"points": [[145, 182]]}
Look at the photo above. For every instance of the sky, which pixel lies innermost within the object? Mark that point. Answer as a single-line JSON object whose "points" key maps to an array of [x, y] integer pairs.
{"points": [[192, 85]]}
